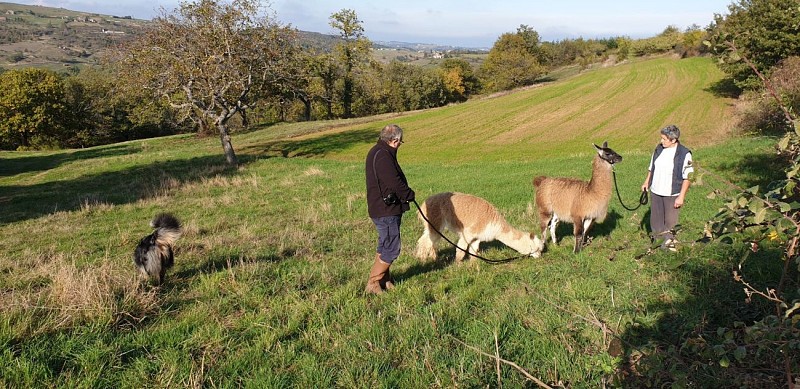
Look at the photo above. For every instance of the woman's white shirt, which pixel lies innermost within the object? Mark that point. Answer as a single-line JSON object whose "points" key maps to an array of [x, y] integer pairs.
{"points": [[661, 181]]}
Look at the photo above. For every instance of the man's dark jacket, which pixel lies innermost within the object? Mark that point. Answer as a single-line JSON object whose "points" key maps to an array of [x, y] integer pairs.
{"points": [[385, 176]]}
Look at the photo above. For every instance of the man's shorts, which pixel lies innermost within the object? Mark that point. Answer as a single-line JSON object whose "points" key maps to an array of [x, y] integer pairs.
{"points": [[388, 237]]}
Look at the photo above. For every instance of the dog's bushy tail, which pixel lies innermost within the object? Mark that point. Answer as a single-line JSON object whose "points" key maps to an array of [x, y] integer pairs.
{"points": [[168, 228]]}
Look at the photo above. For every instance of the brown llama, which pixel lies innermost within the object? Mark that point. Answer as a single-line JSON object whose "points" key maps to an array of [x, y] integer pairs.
{"points": [[576, 201], [475, 220]]}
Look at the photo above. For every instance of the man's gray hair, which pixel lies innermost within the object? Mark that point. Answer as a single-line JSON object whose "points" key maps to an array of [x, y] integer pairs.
{"points": [[672, 132], [391, 132]]}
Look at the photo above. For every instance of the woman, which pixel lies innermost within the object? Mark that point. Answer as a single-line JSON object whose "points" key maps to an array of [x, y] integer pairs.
{"points": [[668, 181]]}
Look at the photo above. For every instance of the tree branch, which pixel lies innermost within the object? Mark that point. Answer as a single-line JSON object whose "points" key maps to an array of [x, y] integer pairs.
{"points": [[512, 364]]}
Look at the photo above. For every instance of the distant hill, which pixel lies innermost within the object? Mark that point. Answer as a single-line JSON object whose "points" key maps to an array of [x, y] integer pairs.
{"points": [[33, 35], [64, 40]]}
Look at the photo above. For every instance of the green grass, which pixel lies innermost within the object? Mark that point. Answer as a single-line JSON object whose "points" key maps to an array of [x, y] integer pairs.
{"points": [[267, 290]]}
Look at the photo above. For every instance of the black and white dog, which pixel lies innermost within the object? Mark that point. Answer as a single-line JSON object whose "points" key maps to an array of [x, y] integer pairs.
{"points": [[153, 255]]}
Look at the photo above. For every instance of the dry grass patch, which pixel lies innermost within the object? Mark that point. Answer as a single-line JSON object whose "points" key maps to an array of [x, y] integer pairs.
{"points": [[314, 171], [68, 295]]}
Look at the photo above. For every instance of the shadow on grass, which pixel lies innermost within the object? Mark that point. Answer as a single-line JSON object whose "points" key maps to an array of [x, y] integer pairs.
{"points": [[679, 347], [444, 258], [22, 202], [725, 88], [565, 231], [755, 169], [314, 147], [37, 163], [224, 262]]}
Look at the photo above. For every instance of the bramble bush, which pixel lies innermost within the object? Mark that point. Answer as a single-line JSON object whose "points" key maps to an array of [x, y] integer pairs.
{"points": [[761, 218]]}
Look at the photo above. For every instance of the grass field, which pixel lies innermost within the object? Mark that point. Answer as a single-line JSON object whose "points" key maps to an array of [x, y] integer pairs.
{"points": [[268, 286]]}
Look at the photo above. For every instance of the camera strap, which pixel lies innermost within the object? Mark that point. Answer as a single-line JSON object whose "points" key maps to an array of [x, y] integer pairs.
{"points": [[375, 171]]}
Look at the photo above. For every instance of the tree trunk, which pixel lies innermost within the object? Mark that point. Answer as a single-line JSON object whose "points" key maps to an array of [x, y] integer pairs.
{"points": [[329, 108], [245, 120], [227, 147], [307, 111], [24, 136], [347, 98]]}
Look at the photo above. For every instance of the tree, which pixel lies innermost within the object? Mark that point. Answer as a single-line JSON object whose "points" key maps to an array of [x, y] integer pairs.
{"points": [[210, 61], [459, 79], [101, 113], [324, 68], [411, 87], [353, 50], [32, 107], [510, 64], [623, 47], [531, 38], [766, 31], [692, 41]]}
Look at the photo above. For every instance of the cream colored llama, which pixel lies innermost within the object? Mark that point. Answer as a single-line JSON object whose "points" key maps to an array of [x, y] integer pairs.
{"points": [[475, 221], [575, 201]]}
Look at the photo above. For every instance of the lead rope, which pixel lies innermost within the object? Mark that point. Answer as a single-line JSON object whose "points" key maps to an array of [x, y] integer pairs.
{"points": [[642, 198], [487, 260]]}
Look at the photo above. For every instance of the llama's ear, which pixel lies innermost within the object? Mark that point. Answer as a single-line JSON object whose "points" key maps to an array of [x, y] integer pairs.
{"points": [[599, 149]]}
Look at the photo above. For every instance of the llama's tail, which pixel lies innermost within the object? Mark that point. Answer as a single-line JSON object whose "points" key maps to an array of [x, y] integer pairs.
{"points": [[538, 181], [168, 228]]}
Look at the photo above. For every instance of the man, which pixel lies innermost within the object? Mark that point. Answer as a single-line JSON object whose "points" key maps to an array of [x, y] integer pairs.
{"points": [[388, 196]]}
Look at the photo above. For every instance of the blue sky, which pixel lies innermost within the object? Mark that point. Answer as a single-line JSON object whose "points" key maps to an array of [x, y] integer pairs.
{"points": [[467, 23]]}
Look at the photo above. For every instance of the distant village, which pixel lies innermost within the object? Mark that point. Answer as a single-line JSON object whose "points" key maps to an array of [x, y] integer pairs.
{"points": [[10, 15]]}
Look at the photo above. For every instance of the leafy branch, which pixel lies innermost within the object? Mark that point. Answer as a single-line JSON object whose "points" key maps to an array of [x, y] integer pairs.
{"points": [[772, 216]]}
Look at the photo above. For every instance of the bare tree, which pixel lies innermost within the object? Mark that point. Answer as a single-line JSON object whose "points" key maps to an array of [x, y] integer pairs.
{"points": [[211, 60]]}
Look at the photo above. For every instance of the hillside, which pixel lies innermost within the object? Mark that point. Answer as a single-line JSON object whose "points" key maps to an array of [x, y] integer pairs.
{"points": [[267, 288], [58, 38], [625, 104]]}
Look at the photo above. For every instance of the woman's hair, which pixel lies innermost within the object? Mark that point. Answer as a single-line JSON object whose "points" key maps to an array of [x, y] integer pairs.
{"points": [[671, 131], [391, 132]]}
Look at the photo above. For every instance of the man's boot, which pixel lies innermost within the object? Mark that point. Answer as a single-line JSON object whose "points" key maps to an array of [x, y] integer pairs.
{"points": [[376, 274], [387, 282]]}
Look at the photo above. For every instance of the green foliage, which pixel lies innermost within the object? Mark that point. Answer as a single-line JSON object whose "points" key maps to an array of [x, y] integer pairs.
{"points": [[510, 64], [32, 107], [764, 218], [353, 52], [102, 112], [411, 87], [656, 45], [623, 47], [531, 38], [459, 79], [766, 31], [762, 113], [691, 42]]}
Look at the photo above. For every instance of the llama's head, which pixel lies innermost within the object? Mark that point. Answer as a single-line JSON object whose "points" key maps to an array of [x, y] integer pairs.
{"points": [[536, 246], [607, 154]]}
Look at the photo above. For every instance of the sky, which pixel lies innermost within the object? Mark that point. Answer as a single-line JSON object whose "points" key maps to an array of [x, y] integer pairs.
{"points": [[463, 23]]}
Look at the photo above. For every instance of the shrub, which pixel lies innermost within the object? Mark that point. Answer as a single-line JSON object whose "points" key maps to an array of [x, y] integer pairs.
{"points": [[761, 113]]}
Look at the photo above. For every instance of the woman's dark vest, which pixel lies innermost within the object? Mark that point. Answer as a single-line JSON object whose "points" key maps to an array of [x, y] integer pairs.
{"points": [[677, 170]]}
